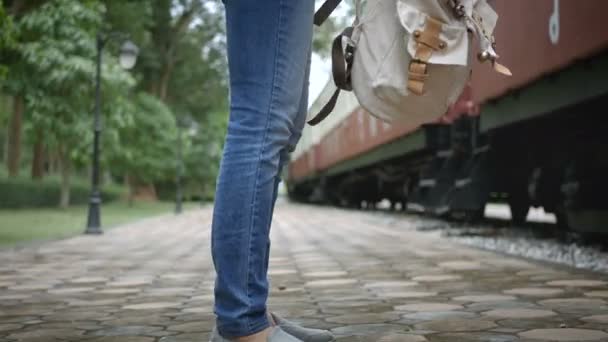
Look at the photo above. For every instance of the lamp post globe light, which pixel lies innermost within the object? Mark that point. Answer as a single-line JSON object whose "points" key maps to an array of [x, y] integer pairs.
{"points": [[183, 122], [128, 55], [179, 170], [127, 59]]}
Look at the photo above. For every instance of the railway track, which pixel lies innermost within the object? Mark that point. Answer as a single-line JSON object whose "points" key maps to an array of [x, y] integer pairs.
{"points": [[538, 239]]}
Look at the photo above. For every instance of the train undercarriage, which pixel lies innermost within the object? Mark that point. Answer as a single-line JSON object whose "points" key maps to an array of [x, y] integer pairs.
{"points": [[556, 161]]}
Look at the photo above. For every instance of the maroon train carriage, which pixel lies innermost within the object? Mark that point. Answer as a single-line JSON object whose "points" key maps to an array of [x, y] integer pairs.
{"points": [[536, 139]]}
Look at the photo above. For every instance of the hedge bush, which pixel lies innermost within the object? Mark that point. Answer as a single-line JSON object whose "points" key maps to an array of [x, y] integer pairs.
{"points": [[166, 191], [26, 193]]}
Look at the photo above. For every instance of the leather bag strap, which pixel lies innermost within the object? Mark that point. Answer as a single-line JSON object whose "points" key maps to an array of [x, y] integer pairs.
{"points": [[342, 61], [326, 110], [325, 11], [427, 42]]}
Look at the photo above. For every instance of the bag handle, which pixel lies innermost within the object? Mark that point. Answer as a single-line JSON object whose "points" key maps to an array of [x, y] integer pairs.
{"points": [[325, 11], [341, 69], [341, 63], [326, 110], [329, 6]]}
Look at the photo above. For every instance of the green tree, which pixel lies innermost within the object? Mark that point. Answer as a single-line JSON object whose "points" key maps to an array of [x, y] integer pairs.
{"points": [[141, 140], [12, 11], [171, 21], [203, 152], [325, 34], [183, 64], [47, 52], [200, 81], [7, 39], [57, 51]]}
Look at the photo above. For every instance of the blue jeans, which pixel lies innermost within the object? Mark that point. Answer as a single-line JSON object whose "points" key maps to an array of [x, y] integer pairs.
{"points": [[269, 46]]}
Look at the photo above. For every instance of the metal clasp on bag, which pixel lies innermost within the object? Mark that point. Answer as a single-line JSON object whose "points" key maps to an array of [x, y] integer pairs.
{"points": [[458, 8]]}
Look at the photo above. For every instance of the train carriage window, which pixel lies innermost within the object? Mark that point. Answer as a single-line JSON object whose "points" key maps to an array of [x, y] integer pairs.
{"points": [[386, 126], [373, 126], [360, 124]]}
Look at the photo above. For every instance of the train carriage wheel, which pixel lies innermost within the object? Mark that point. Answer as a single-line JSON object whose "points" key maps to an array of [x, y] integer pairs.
{"points": [[520, 206]]}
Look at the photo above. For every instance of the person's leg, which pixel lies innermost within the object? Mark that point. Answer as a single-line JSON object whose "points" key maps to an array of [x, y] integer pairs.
{"points": [[295, 135], [268, 52], [300, 120]]}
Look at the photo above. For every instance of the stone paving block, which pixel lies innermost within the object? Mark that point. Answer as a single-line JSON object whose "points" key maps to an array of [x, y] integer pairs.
{"points": [[367, 276], [385, 338], [456, 325], [577, 283], [564, 335], [436, 278], [473, 337], [510, 304], [428, 307], [534, 291], [599, 294], [123, 339], [417, 317], [519, 313], [483, 298]]}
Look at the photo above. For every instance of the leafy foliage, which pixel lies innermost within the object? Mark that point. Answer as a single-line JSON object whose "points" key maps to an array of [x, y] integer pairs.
{"points": [[325, 34], [7, 40], [48, 52], [183, 64], [144, 131], [26, 193], [58, 51]]}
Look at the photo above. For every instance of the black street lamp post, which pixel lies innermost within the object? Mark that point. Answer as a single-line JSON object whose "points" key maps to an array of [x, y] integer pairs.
{"points": [[180, 167], [128, 57], [183, 123]]}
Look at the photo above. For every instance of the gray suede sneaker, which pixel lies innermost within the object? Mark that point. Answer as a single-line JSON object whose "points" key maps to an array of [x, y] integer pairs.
{"points": [[277, 335], [304, 334]]}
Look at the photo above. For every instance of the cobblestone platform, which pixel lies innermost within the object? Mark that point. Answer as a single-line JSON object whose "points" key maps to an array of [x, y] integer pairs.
{"points": [[365, 276]]}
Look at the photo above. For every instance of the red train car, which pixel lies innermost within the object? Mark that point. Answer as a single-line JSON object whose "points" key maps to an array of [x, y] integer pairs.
{"points": [[536, 139]]}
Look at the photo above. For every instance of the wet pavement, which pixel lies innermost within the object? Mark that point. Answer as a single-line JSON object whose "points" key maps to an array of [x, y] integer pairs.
{"points": [[362, 275]]}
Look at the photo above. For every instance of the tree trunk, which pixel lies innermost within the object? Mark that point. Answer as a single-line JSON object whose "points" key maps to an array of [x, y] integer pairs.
{"points": [[203, 192], [165, 76], [21, 7], [5, 146], [152, 88], [17, 7], [6, 108], [38, 157], [14, 137], [65, 170], [6, 137], [131, 187], [53, 163]]}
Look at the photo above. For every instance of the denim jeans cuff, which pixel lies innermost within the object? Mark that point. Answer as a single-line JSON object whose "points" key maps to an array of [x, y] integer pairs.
{"points": [[241, 329]]}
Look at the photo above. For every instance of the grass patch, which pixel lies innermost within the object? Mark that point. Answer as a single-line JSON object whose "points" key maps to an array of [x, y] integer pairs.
{"points": [[19, 226]]}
